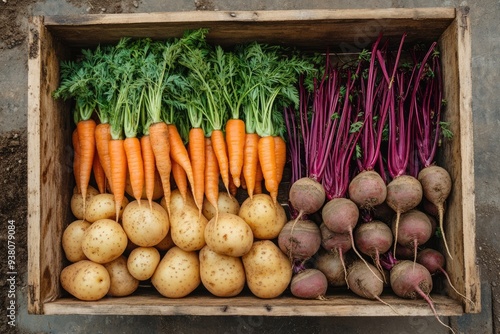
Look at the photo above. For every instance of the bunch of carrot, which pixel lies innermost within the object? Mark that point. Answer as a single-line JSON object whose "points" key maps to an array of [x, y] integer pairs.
{"points": [[182, 109]]}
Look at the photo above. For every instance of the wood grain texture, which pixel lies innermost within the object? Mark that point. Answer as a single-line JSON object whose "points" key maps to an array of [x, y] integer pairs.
{"points": [[458, 157], [341, 30], [49, 168], [199, 303]]}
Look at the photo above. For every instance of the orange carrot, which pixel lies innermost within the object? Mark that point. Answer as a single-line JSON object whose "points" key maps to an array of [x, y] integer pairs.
{"points": [[197, 154], [135, 165], [99, 175], [250, 161], [235, 138], [267, 158], [211, 175], [86, 137], [219, 147], [76, 159], [158, 133], [258, 180], [102, 138], [180, 178], [148, 160], [179, 154], [118, 172], [280, 149]]}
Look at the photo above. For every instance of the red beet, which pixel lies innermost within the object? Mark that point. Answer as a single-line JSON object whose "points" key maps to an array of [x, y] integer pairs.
{"points": [[436, 186], [373, 238], [403, 194], [414, 229], [332, 265], [309, 284], [434, 261], [367, 189], [300, 240], [412, 280]]}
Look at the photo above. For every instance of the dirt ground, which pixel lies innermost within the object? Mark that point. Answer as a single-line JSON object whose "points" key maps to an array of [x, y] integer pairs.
{"points": [[13, 156]]}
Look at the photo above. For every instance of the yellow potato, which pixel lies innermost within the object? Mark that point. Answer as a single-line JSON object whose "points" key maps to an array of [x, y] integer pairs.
{"points": [[264, 217], [86, 280], [104, 241], [166, 243], [122, 282], [225, 203], [222, 275], [77, 201], [142, 262], [144, 226], [268, 270], [177, 203], [102, 206], [177, 274], [72, 240], [229, 235], [187, 228]]}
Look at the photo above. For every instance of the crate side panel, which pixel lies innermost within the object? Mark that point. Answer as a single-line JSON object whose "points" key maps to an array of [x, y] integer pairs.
{"points": [[54, 161], [342, 304], [34, 74], [457, 156], [306, 29]]}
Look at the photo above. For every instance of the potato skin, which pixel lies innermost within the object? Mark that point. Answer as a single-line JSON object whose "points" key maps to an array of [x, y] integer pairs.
{"points": [[268, 270], [222, 275], [102, 206], [122, 282], [143, 226], [72, 240], [229, 235], [86, 280], [142, 262], [264, 217], [104, 241], [225, 203], [77, 201], [187, 228], [178, 273]]}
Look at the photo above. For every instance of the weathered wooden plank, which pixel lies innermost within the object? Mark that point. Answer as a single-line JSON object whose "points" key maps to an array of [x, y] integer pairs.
{"points": [[49, 168], [458, 157], [313, 29], [335, 305], [34, 215]]}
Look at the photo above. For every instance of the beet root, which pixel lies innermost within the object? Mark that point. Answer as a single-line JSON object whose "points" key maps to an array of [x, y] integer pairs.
{"points": [[403, 193], [414, 229], [364, 283], [436, 186], [306, 195], [434, 261], [373, 238], [332, 265], [300, 240], [367, 189], [309, 284], [340, 215], [412, 280]]}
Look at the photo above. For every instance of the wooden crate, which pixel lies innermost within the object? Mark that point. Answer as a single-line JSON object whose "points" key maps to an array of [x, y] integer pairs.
{"points": [[50, 124]]}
